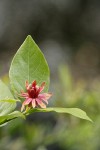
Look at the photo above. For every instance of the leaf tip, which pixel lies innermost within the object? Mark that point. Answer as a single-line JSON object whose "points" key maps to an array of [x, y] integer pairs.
{"points": [[29, 37], [89, 119]]}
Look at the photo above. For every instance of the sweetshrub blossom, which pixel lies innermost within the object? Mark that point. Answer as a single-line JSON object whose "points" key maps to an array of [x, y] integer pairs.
{"points": [[33, 96]]}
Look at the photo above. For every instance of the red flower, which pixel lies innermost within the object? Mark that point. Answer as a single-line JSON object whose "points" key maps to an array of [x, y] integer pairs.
{"points": [[33, 96]]}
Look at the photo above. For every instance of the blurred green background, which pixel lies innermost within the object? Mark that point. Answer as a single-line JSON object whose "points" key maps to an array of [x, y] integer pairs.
{"points": [[68, 33]]}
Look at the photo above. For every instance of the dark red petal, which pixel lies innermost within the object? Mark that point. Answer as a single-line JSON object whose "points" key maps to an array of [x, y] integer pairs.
{"points": [[41, 88], [34, 83]]}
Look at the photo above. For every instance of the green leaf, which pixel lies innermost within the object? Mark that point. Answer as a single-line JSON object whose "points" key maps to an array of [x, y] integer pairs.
{"points": [[4, 91], [7, 106], [9, 117], [73, 111], [7, 102], [28, 64], [10, 100]]}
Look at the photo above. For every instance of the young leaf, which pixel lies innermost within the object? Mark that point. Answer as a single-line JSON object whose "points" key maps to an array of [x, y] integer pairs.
{"points": [[7, 104], [28, 64], [73, 111]]}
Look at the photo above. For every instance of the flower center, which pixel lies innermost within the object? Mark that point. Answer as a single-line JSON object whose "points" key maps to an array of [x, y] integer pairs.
{"points": [[33, 92]]}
